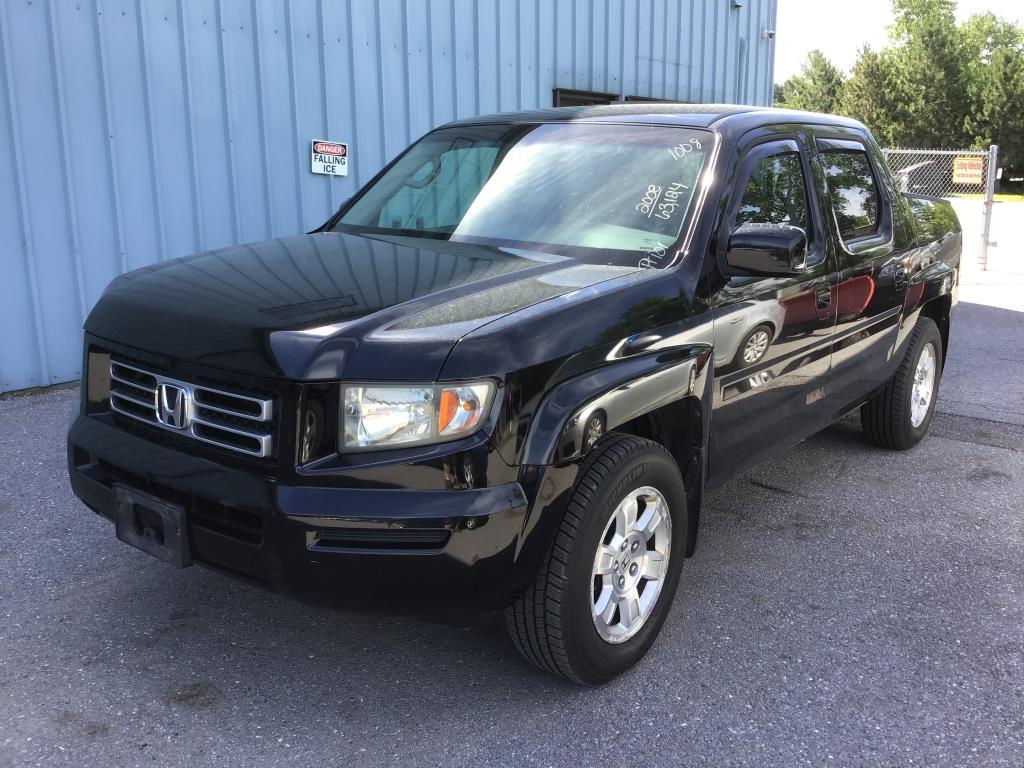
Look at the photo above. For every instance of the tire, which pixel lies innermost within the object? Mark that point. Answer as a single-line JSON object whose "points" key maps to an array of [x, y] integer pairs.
{"points": [[553, 624], [889, 419], [740, 361]]}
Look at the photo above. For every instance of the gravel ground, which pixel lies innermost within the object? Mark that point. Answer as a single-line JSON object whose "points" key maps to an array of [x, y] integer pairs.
{"points": [[846, 606]]}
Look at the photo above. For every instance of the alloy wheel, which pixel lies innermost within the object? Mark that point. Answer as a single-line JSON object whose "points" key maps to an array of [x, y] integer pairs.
{"points": [[631, 564], [755, 347], [924, 385]]}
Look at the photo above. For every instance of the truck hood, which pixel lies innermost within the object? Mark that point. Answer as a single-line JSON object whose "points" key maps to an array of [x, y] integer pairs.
{"points": [[330, 305]]}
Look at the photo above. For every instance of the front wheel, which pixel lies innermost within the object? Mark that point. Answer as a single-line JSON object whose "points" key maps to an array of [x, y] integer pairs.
{"points": [[754, 346], [899, 416], [604, 591]]}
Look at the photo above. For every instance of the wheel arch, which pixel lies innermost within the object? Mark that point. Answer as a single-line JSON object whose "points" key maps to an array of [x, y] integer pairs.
{"points": [[938, 309], [664, 397], [680, 428]]}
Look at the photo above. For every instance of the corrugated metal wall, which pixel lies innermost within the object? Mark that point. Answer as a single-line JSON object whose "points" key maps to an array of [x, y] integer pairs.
{"points": [[133, 131]]}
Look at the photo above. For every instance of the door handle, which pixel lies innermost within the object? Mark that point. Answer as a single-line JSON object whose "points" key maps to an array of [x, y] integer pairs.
{"points": [[823, 296], [900, 276], [641, 342]]}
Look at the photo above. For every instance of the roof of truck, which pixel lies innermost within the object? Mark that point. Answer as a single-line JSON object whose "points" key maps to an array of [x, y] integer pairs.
{"points": [[693, 115]]}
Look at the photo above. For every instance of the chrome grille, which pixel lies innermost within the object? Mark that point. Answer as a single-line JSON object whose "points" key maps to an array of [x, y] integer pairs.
{"points": [[240, 423]]}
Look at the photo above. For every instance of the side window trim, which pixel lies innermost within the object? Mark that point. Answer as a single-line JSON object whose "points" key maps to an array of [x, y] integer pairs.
{"points": [[883, 235], [774, 146], [826, 143]]}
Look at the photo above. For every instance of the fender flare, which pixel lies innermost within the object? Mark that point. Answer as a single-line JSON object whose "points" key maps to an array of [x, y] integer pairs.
{"points": [[630, 388], [622, 392]]}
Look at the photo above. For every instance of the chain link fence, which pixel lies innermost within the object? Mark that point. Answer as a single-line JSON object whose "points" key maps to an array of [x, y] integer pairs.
{"points": [[949, 173]]}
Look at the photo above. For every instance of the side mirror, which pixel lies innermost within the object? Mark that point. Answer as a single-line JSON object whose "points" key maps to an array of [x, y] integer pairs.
{"points": [[767, 250]]}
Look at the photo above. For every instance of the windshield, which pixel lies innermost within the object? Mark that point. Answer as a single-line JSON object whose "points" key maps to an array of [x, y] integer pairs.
{"points": [[604, 194]]}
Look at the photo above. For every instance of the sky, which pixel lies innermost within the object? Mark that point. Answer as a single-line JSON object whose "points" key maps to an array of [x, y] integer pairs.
{"points": [[799, 29]]}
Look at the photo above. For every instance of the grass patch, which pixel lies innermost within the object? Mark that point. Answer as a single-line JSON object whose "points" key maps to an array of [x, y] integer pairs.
{"points": [[1000, 198]]}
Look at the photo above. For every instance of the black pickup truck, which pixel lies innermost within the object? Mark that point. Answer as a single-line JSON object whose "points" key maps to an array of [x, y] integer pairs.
{"points": [[504, 374]]}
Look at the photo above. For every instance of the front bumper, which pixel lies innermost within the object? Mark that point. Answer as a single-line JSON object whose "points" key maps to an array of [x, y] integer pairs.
{"points": [[362, 547]]}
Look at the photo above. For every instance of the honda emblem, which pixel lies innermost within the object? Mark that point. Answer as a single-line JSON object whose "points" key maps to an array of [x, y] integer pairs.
{"points": [[173, 408]]}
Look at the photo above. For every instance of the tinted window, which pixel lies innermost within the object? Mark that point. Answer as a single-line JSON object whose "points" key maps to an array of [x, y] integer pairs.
{"points": [[775, 193], [853, 192], [934, 220]]}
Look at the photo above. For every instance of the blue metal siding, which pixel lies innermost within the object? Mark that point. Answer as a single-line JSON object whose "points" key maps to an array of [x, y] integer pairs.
{"points": [[136, 131]]}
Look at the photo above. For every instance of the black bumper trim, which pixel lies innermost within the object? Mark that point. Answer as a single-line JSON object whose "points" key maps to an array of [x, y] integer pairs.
{"points": [[310, 540]]}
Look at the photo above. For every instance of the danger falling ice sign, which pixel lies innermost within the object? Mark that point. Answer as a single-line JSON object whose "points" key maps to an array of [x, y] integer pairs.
{"points": [[330, 157]]}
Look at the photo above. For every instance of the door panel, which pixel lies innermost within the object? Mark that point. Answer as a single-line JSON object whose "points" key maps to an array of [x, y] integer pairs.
{"points": [[871, 243], [769, 396]]}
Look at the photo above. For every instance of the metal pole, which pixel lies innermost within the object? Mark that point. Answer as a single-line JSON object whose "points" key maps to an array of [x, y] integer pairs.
{"points": [[990, 188]]}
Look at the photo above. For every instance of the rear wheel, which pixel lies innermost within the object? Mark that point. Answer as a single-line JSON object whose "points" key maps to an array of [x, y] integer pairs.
{"points": [[899, 416], [601, 597]]}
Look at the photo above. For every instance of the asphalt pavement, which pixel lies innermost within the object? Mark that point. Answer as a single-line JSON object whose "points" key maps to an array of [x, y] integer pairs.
{"points": [[846, 606]]}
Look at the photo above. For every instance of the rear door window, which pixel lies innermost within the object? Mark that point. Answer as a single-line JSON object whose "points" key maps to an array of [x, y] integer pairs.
{"points": [[853, 192]]}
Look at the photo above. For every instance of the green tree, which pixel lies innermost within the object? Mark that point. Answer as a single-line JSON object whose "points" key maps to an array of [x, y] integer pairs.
{"points": [[998, 115], [993, 60], [985, 33], [930, 83], [939, 83], [870, 95], [818, 87], [909, 15], [778, 94]]}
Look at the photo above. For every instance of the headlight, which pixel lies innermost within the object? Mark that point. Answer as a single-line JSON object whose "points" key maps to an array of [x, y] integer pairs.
{"points": [[378, 416]]}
